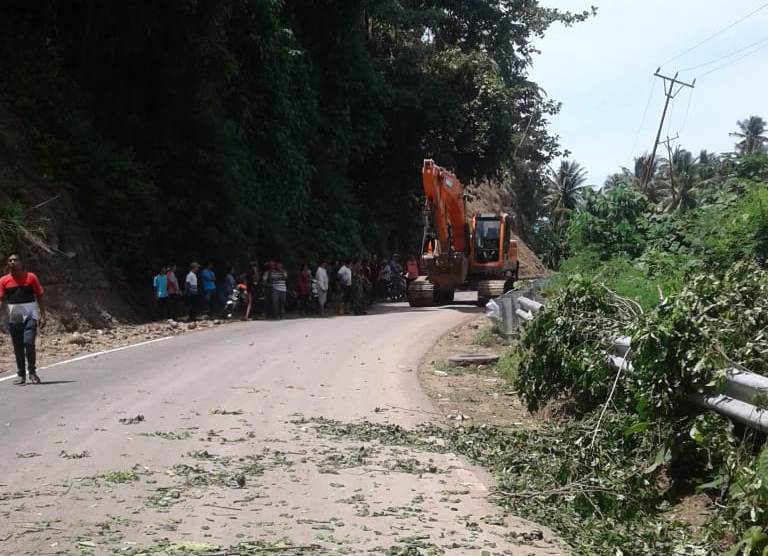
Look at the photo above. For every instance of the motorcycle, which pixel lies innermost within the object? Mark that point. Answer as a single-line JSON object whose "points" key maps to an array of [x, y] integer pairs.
{"points": [[237, 300], [396, 289]]}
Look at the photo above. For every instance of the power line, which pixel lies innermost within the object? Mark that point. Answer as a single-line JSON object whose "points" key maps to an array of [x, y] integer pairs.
{"points": [[645, 113], [687, 110], [734, 61], [730, 54], [716, 34]]}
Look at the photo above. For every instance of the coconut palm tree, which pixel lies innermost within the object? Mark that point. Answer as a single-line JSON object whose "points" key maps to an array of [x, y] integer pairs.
{"points": [[640, 178], [752, 133], [564, 188], [680, 181]]}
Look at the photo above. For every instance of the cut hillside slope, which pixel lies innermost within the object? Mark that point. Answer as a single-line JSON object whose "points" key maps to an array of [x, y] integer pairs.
{"points": [[78, 292]]}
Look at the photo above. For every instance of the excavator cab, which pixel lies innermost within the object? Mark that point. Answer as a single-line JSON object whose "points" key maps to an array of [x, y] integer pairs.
{"points": [[488, 245], [494, 264]]}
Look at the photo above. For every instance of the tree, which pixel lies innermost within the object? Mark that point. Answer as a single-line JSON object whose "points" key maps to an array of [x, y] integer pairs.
{"points": [[752, 133], [680, 182], [293, 128], [564, 187]]}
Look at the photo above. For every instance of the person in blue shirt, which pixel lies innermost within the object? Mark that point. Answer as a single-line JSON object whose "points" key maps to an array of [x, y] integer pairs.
{"points": [[160, 284], [209, 287]]}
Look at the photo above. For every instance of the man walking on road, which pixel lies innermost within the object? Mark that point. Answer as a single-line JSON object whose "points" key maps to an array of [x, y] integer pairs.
{"points": [[24, 294], [321, 276]]}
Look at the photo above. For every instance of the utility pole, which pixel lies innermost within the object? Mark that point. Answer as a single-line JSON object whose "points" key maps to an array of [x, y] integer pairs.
{"points": [[671, 88], [668, 142]]}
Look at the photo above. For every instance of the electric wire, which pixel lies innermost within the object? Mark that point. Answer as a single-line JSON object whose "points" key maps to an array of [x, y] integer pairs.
{"points": [[734, 61], [645, 114], [687, 110], [669, 118], [730, 54], [716, 34]]}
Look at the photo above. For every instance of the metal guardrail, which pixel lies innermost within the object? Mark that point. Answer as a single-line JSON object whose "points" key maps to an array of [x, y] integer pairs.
{"points": [[736, 399]]}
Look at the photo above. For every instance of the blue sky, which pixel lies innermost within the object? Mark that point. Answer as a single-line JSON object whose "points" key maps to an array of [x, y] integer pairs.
{"points": [[602, 70]]}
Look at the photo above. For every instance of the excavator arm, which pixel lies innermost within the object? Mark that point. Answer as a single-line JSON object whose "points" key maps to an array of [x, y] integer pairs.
{"points": [[445, 207]]}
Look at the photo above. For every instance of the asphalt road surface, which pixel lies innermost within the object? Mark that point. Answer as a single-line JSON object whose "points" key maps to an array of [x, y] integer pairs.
{"points": [[228, 450]]}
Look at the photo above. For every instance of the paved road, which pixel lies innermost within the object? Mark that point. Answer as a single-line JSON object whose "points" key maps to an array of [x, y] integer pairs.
{"points": [[227, 451]]}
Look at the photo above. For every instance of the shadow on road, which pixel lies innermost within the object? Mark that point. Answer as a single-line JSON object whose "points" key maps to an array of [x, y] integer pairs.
{"points": [[468, 307]]}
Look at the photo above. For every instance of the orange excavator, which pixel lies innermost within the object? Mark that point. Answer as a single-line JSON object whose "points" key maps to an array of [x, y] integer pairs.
{"points": [[457, 251]]}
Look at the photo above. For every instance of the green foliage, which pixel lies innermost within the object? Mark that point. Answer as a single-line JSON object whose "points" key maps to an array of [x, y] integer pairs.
{"points": [[710, 325], [681, 347], [608, 222], [562, 350], [262, 128], [12, 219]]}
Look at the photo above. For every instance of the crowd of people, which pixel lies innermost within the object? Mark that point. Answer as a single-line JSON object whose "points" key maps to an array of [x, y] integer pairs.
{"points": [[270, 291]]}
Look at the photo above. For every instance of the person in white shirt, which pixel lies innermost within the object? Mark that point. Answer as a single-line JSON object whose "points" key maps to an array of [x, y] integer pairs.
{"points": [[345, 277], [321, 278], [191, 289]]}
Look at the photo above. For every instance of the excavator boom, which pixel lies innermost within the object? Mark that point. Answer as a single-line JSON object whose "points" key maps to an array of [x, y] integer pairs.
{"points": [[446, 205]]}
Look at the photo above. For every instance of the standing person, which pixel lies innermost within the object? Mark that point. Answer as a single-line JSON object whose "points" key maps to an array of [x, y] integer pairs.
{"points": [[252, 278], [279, 280], [303, 288], [367, 283], [230, 283], [345, 279], [358, 288], [321, 276], [385, 280], [412, 270], [209, 288], [190, 287], [174, 291], [397, 277], [160, 285], [24, 295], [266, 284]]}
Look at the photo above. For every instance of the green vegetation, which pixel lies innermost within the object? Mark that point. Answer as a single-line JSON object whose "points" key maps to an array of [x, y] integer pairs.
{"points": [[263, 128], [673, 256], [118, 477]]}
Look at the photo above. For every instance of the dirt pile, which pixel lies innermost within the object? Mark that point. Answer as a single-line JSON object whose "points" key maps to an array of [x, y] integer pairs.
{"points": [[530, 265]]}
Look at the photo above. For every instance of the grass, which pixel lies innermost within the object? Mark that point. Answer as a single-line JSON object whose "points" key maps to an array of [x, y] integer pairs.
{"points": [[508, 364]]}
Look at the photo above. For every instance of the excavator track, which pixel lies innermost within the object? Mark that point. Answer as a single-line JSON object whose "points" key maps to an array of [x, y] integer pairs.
{"points": [[421, 293], [488, 289]]}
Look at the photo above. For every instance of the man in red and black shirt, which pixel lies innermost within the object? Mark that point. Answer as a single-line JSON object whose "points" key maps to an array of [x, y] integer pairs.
{"points": [[24, 295]]}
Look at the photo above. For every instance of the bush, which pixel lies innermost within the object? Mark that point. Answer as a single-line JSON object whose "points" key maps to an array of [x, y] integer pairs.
{"points": [[562, 352]]}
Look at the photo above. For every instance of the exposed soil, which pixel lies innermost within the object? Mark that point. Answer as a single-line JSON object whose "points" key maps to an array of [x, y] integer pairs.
{"points": [[475, 393]]}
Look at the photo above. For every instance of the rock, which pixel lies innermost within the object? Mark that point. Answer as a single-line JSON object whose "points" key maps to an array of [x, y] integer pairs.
{"points": [[441, 373], [217, 322], [78, 339]]}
